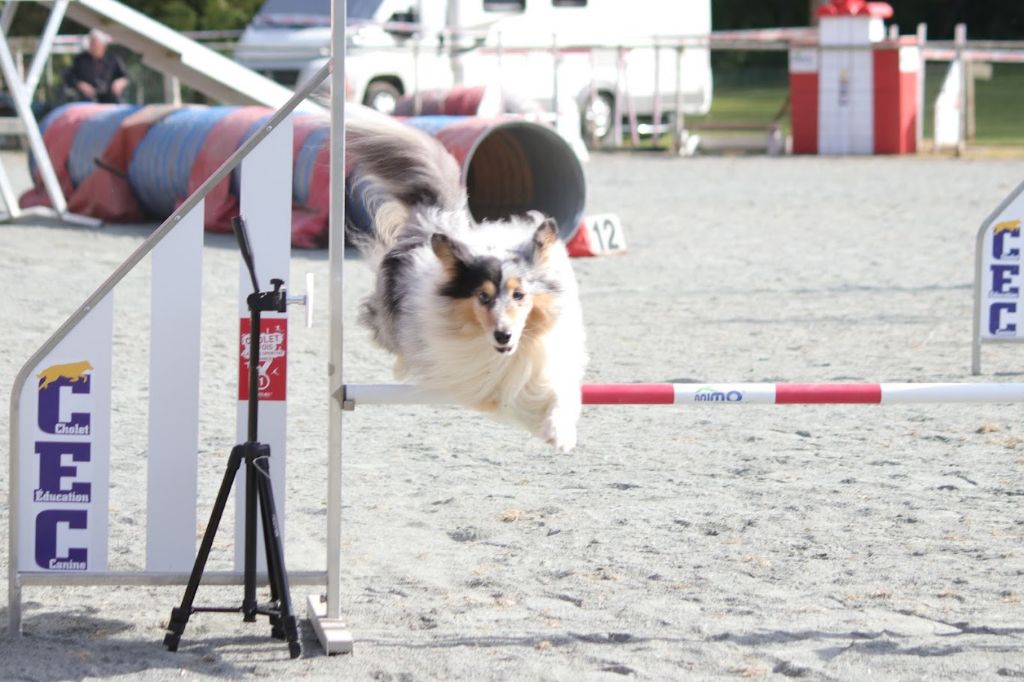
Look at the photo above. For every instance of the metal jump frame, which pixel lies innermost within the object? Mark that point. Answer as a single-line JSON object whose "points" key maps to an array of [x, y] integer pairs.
{"points": [[323, 616]]}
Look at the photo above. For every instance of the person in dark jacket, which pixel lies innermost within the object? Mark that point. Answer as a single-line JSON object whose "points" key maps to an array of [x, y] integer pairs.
{"points": [[96, 75]]}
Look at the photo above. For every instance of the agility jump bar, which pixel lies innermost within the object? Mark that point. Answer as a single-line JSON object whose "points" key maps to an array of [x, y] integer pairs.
{"points": [[731, 394]]}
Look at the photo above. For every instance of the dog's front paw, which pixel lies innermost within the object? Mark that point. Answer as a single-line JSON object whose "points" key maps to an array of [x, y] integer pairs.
{"points": [[559, 431]]}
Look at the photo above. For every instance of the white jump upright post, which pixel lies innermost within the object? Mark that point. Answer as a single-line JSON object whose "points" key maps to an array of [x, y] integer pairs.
{"points": [[174, 350], [324, 612], [265, 203], [998, 295], [21, 92], [61, 487], [60, 435]]}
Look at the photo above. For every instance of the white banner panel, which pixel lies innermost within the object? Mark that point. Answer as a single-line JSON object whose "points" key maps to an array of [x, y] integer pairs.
{"points": [[64, 452], [266, 206], [846, 102], [803, 60], [176, 313], [1000, 304]]}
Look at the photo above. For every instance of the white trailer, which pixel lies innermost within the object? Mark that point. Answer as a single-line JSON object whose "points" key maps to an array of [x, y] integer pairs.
{"points": [[605, 55]]}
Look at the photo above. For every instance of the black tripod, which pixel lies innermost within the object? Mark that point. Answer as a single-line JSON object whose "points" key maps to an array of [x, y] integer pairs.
{"points": [[284, 624]]}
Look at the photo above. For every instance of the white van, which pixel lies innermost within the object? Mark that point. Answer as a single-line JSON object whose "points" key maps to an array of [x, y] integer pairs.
{"points": [[606, 59], [285, 36]]}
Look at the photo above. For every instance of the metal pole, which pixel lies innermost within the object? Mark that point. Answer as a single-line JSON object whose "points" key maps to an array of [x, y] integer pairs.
{"points": [[417, 96], [42, 55], [922, 38], [8, 195], [172, 89], [617, 108], [678, 129], [979, 243], [249, 558], [336, 259], [960, 37], [500, 55], [969, 109], [16, 87], [7, 16], [554, 81], [634, 133], [592, 98], [454, 31], [656, 117]]}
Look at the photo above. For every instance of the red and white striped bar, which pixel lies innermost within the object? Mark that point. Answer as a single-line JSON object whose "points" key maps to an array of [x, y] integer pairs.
{"points": [[733, 394]]}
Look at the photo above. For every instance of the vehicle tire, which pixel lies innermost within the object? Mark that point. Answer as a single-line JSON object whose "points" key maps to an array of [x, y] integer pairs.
{"points": [[382, 96], [598, 117]]}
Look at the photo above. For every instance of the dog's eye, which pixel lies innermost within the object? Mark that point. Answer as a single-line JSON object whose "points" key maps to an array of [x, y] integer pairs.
{"points": [[484, 298], [518, 295]]}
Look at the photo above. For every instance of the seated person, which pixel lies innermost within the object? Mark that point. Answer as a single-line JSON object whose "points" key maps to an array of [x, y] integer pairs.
{"points": [[96, 75]]}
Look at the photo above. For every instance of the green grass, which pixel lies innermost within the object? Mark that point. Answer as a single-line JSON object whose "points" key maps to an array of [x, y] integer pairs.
{"points": [[999, 102], [757, 95], [746, 105], [747, 95]]}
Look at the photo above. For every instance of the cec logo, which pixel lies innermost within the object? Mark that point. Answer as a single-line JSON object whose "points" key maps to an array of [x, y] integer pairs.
{"points": [[64, 402], [711, 394], [1003, 278]]}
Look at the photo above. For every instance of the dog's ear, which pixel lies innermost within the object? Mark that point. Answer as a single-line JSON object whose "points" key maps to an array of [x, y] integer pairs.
{"points": [[451, 253], [545, 236]]}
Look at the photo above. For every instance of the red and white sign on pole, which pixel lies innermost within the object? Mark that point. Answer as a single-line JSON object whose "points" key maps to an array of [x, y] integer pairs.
{"points": [[273, 369], [266, 207], [854, 91]]}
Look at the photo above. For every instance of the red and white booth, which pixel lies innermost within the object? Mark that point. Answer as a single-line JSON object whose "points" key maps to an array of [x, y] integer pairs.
{"points": [[854, 91]]}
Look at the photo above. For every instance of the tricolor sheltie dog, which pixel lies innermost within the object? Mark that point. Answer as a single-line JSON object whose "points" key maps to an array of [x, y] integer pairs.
{"points": [[486, 314]]}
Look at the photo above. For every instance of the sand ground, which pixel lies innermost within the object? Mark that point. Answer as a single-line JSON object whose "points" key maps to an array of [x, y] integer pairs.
{"points": [[819, 543]]}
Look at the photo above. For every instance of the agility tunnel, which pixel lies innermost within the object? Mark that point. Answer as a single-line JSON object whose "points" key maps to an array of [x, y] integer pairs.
{"points": [[475, 100], [122, 163]]}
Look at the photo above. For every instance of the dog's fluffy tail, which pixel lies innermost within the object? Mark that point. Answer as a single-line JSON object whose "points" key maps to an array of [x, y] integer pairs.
{"points": [[395, 169]]}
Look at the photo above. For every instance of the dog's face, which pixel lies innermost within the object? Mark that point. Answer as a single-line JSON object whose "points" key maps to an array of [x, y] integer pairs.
{"points": [[500, 299]]}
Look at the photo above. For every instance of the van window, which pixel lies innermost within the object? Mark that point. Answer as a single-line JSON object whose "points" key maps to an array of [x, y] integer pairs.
{"points": [[504, 5], [569, 3], [293, 13], [302, 13], [362, 9]]}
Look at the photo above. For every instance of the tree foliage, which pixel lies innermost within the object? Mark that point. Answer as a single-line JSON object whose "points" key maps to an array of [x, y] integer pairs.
{"points": [[181, 15], [196, 15], [990, 19]]}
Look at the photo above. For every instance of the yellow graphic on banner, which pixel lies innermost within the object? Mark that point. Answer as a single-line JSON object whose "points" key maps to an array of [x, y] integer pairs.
{"points": [[72, 371], [1007, 226]]}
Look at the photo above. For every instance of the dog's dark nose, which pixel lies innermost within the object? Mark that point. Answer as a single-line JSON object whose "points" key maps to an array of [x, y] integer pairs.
{"points": [[502, 337]]}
